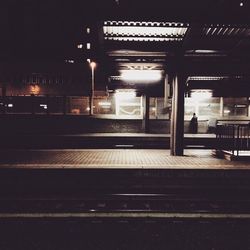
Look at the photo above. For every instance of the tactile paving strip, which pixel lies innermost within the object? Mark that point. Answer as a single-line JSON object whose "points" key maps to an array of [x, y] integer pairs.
{"points": [[124, 158]]}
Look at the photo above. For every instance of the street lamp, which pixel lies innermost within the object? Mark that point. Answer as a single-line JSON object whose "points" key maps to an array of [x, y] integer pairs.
{"points": [[91, 99]]}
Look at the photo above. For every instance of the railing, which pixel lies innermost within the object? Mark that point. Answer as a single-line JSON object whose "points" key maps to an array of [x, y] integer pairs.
{"points": [[234, 138]]}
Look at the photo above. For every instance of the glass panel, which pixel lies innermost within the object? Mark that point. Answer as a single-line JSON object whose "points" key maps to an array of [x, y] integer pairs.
{"points": [[40, 104], [1, 105], [162, 112], [152, 108], [18, 104], [127, 104], [204, 108], [235, 107], [209, 110], [104, 105], [78, 105], [56, 104]]}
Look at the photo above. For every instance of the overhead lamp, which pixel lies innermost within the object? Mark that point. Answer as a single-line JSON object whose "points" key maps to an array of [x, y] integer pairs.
{"points": [[141, 75]]}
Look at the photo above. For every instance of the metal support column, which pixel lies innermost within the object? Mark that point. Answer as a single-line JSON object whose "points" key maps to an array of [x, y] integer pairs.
{"points": [[4, 98], [64, 104], [32, 96], [177, 116], [145, 119], [48, 104]]}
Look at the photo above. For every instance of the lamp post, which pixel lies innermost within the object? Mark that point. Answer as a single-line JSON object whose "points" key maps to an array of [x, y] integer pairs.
{"points": [[91, 99]]}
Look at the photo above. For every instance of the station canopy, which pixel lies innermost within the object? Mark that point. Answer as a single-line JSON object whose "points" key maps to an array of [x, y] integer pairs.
{"points": [[209, 38]]}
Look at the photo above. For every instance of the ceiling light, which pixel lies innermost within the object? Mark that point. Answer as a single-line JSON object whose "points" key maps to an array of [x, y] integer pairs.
{"points": [[141, 75]]}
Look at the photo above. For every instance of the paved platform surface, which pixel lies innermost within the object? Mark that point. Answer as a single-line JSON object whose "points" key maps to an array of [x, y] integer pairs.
{"points": [[118, 158]]}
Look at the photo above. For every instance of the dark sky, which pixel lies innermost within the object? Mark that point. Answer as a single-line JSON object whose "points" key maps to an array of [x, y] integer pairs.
{"points": [[51, 28]]}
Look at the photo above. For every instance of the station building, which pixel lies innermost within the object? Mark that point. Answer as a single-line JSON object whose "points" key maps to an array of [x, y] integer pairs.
{"points": [[149, 69]]}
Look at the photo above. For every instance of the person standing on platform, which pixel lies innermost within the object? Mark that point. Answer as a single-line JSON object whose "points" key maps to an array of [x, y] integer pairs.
{"points": [[194, 124]]}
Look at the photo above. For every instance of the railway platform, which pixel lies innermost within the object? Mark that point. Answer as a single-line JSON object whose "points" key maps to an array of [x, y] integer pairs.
{"points": [[115, 159]]}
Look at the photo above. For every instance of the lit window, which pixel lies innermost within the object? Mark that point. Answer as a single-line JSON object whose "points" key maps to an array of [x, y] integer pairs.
{"points": [[201, 94], [79, 46], [88, 30], [88, 45]]}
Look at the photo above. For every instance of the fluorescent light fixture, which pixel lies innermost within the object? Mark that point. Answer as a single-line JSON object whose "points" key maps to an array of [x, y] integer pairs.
{"points": [[207, 78], [141, 75], [105, 104], [143, 31], [145, 39], [206, 51]]}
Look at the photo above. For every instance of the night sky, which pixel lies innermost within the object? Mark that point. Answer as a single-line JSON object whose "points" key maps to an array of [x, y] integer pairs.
{"points": [[50, 29]]}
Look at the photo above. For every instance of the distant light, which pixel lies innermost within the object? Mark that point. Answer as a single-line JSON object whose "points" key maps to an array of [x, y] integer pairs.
{"points": [[10, 105], [44, 106], [206, 51], [88, 60], [201, 94], [88, 109], [105, 104], [141, 75], [88, 45], [34, 89], [88, 30], [69, 61], [226, 111], [79, 46], [241, 4], [92, 65]]}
